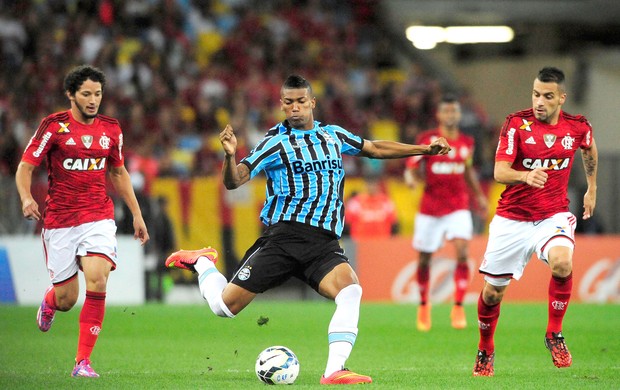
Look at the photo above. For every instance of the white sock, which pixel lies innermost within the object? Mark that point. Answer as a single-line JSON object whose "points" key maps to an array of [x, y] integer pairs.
{"points": [[211, 283], [342, 330]]}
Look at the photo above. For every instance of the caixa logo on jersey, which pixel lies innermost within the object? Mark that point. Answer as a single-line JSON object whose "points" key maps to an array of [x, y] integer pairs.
{"points": [[316, 165], [84, 164], [556, 164]]}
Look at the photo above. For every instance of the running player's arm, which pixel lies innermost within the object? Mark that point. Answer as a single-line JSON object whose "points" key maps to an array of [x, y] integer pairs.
{"points": [[505, 174], [122, 184], [234, 174], [590, 165], [413, 177], [471, 178], [392, 149], [23, 180]]}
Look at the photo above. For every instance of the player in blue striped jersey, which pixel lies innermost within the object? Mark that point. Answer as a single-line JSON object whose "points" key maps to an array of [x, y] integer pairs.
{"points": [[304, 214]]}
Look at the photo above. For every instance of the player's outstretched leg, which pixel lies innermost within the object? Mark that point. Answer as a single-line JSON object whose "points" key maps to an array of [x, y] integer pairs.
{"points": [[84, 369], [46, 313], [559, 351], [345, 377], [484, 364], [187, 259]]}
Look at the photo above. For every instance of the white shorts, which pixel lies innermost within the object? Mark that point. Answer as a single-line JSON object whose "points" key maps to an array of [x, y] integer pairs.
{"points": [[65, 246], [512, 243], [430, 231]]}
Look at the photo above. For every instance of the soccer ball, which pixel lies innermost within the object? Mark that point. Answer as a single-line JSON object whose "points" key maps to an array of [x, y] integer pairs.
{"points": [[277, 366]]}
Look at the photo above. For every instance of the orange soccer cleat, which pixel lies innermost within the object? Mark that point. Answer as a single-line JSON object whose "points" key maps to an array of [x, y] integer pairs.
{"points": [[457, 316], [424, 317], [187, 259], [345, 377]]}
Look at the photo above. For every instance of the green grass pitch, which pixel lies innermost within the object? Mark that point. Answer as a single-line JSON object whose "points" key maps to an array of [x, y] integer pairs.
{"points": [[187, 347]]}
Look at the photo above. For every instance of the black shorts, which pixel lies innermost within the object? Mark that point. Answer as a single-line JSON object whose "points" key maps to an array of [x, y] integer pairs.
{"points": [[289, 249]]}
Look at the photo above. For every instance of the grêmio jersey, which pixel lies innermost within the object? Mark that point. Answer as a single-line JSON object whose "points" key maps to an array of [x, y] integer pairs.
{"points": [[77, 157], [305, 175], [446, 190], [528, 144]]}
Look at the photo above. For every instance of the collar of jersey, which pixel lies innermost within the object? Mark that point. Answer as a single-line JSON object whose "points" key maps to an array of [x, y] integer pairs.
{"points": [[285, 128]]}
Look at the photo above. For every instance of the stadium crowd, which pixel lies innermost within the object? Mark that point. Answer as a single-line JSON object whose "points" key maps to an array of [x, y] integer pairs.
{"points": [[179, 70]]}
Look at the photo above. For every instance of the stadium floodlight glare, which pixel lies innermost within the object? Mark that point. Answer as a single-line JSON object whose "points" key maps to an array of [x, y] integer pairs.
{"points": [[479, 34], [427, 37]]}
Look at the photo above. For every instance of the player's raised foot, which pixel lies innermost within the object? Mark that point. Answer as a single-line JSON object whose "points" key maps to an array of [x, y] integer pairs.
{"points": [[83, 368], [187, 259], [424, 318], [45, 314], [345, 377], [457, 316], [559, 351], [484, 364]]}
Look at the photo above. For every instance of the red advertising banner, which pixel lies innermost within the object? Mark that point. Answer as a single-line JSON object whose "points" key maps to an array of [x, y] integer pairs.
{"points": [[387, 272]]}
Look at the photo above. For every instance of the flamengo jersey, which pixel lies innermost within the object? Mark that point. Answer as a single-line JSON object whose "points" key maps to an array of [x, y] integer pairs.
{"points": [[446, 190], [305, 176], [77, 158], [528, 144]]}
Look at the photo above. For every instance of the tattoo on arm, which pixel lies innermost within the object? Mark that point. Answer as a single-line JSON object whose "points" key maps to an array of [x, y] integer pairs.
{"points": [[244, 172], [589, 163]]}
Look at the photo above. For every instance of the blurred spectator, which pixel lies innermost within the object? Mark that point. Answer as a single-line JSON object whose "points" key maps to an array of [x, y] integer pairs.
{"points": [[371, 213]]}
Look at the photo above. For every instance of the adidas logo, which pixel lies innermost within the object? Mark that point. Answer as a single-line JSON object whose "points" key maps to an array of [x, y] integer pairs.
{"points": [[70, 141], [530, 141]]}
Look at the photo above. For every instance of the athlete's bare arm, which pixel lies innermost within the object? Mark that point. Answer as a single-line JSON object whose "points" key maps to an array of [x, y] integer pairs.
{"points": [[392, 149], [413, 177], [23, 180], [235, 175], [504, 174], [122, 184], [471, 178], [590, 165]]}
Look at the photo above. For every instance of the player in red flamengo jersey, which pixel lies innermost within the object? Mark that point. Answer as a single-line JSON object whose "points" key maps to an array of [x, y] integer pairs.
{"points": [[79, 146], [534, 159], [444, 211]]}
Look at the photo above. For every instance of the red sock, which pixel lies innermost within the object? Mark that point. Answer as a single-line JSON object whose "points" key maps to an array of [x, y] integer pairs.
{"points": [[487, 322], [559, 297], [461, 282], [91, 318], [50, 299], [423, 277]]}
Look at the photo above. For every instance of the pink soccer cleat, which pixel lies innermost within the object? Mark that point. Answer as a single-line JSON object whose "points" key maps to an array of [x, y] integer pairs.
{"points": [[45, 315], [84, 369], [187, 259]]}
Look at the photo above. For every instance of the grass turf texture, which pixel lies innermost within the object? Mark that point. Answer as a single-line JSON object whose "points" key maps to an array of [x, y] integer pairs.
{"points": [[187, 347]]}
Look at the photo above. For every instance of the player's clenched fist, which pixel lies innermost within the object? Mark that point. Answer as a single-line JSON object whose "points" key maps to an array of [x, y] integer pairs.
{"points": [[228, 140], [439, 146]]}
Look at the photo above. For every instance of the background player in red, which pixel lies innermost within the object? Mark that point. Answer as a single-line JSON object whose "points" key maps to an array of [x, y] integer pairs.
{"points": [[444, 211], [370, 213], [534, 159], [79, 232]]}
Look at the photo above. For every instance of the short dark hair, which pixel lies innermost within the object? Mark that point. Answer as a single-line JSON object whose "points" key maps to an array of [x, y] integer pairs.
{"points": [[449, 98], [76, 77], [550, 74], [295, 81]]}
